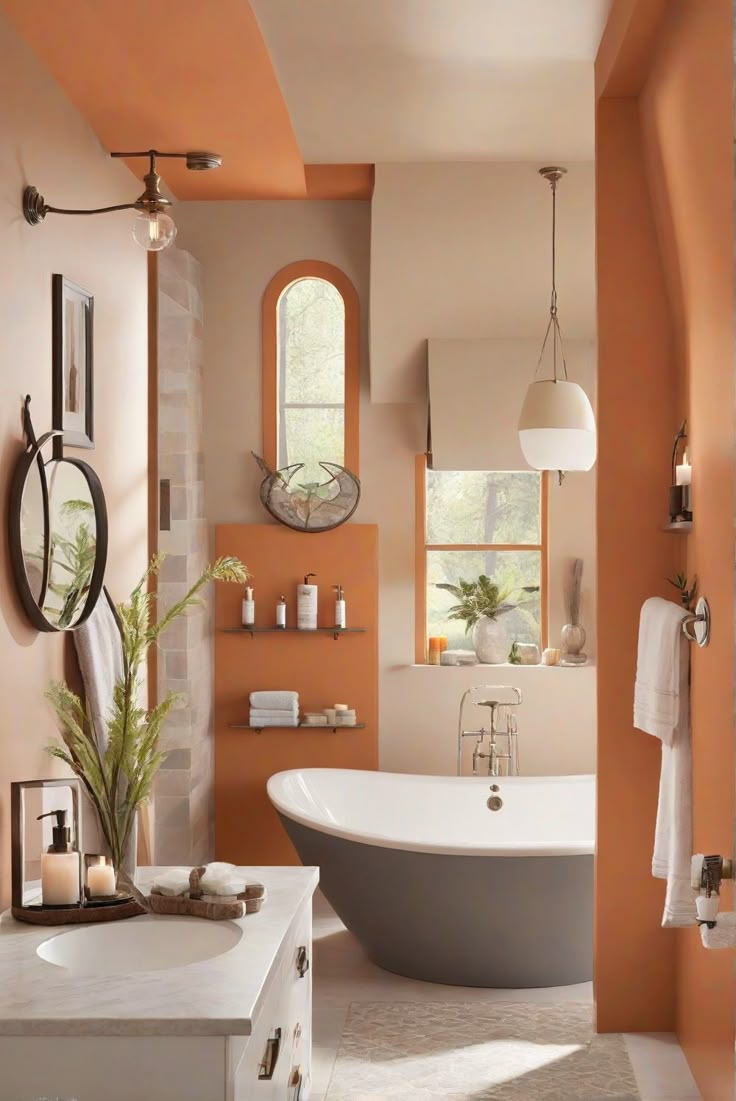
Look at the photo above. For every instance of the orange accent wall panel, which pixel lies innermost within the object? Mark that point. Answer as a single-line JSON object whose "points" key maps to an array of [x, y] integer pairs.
{"points": [[688, 138], [637, 419], [322, 670]]}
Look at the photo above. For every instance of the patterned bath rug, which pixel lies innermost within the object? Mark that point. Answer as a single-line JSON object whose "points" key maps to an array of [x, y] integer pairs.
{"points": [[412, 1051]]}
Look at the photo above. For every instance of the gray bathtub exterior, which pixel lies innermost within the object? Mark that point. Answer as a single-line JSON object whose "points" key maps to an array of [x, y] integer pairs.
{"points": [[492, 921]]}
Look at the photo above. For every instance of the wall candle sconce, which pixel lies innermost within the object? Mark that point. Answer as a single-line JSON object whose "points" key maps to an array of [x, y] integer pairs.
{"points": [[153, 228], [681, 507]]}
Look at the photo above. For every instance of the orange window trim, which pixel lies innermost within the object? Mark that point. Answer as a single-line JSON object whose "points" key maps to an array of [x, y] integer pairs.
{"points": [[315, 269], [421, 547]]}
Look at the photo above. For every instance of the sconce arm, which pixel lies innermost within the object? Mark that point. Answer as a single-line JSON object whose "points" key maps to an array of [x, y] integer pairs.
{"points": [[96, 210]]}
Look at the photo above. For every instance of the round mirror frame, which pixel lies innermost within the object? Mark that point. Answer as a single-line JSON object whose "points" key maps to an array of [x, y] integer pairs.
{"points": [[32, 455]]}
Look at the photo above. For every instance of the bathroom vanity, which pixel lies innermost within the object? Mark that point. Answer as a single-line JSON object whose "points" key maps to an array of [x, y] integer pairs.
{"points": [[171, 1008]]}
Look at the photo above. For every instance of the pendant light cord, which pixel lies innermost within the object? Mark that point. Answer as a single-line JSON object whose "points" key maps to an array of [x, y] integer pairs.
{"points": [[553, 324]]}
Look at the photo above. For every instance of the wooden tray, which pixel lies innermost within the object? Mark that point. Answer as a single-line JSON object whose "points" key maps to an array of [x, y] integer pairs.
{"points": [[78, 915]]}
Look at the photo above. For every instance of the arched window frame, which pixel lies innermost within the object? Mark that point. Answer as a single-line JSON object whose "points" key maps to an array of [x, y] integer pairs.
{"points": [[315, 269]]}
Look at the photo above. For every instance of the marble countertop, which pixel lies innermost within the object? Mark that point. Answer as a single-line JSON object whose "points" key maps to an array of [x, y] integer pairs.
{"points": [[216, 997]]}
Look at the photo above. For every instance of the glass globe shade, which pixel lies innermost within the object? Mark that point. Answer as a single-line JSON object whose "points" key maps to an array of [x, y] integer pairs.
{"points": [[557, 427], [153, 231]]}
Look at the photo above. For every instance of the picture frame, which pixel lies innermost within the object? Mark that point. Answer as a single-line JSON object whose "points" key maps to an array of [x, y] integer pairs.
{"points": [[72, 365]]}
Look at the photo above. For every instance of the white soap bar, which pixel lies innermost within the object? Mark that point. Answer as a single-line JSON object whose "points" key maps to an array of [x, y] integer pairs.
{"points": [[173, 882], [341, 707]]}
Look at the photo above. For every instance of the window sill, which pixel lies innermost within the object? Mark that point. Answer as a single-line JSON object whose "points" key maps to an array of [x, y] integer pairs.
{"points": [[590, 664]]}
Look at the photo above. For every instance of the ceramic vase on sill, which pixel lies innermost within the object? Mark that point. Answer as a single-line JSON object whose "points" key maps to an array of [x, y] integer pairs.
{"points": [[573, 640], [490, 641]]}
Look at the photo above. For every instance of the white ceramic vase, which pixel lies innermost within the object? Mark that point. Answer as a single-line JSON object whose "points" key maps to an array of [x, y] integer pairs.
{"points": [[490, 642]]}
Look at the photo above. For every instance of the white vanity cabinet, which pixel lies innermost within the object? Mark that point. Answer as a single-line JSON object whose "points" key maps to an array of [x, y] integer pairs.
{"points": [[237, 1027], [274, 1063]]}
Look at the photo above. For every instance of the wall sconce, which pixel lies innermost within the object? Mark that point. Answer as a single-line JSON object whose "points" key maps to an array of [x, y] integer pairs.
{"points": [[681, 506], [153, 228]]}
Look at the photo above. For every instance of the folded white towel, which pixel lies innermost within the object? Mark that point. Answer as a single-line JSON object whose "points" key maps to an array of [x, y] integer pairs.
{"points": [[274, 712], [724, 934], [274, 699], [662, 708], [288, 720]]}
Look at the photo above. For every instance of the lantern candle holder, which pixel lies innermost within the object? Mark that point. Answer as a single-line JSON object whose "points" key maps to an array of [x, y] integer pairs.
{"points": [[680, 497], [30, 802]]}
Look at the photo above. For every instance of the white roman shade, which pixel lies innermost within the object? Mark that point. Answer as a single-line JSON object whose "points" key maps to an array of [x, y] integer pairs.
{"points": [[476, 392]]}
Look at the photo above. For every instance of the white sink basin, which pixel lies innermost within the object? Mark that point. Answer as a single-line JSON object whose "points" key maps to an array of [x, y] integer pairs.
{"points": [[147, 943]]}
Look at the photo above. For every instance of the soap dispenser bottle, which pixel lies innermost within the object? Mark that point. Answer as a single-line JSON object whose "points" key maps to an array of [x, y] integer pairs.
{"points": [[60, 865], [306, 605], [281, 614], [249, 608], [339, 606]]}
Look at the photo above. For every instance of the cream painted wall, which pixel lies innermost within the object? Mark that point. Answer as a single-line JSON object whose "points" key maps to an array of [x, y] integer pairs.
{"points": [[46, 143], [241, 246], [463, 251]]}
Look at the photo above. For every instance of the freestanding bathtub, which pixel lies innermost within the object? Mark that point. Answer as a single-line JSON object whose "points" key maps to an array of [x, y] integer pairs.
{"points": [[437, 886]]}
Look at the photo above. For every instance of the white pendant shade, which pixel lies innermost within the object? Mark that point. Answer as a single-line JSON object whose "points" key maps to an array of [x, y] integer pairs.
{"points": [[557, 427]]}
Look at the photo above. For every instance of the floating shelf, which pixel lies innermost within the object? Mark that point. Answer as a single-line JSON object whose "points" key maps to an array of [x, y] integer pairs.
{"points": [[334, 631], [682, 527], [301, 726]]}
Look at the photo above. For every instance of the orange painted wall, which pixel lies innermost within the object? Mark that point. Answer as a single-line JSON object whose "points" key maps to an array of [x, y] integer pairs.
{"points": [[322, 670], [686, 117], [185, 81], [665, 289], [637, 411]]}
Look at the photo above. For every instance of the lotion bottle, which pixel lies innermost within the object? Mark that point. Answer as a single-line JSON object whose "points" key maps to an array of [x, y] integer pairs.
{"points": [[306, 605], [60, 865], [281, 614], [339, 606], [249, 608]]}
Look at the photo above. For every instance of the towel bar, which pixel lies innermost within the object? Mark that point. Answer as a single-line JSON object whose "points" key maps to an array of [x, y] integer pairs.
{"points": [[696, 626]]}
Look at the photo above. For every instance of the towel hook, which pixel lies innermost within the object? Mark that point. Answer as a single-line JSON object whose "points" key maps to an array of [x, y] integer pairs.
{"points": [[696, 626]]}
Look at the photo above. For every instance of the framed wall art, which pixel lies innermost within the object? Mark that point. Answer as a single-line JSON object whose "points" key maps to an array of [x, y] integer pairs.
{"points": [[73, 361]]}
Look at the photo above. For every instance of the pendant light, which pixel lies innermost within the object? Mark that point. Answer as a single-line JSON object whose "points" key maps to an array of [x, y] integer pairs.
{"points": [[556, 426], [153, 229]]}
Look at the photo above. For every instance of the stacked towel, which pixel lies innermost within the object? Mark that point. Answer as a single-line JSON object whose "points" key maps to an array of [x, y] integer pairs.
{"points": [[274, 709], [662, 708]]}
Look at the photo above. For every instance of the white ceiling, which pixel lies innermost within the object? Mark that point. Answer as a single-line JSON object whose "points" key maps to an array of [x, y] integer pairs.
{"points": [[436, 80]]}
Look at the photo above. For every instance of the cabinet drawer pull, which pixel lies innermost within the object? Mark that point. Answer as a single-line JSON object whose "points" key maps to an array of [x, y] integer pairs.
{"points": [[296, 1082], [302, 961], [271, 1057]]}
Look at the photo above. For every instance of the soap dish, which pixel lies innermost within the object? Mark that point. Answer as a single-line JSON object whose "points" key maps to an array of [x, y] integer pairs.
{"points": [[193, 905]]}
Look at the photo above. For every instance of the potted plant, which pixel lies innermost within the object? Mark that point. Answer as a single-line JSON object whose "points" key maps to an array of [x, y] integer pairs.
{"points": [[481, 605], [118, 776]]}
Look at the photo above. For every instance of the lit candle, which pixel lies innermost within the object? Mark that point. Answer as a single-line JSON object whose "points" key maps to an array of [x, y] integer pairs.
{"points": [[683, 472], [101, 880]]}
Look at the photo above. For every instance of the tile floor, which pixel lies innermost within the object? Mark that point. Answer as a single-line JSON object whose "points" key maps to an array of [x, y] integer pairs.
{"points": [[342, 975]]}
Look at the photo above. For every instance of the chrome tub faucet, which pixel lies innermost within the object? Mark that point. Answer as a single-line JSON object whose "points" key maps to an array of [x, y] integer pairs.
{"points": [[502, 756]]}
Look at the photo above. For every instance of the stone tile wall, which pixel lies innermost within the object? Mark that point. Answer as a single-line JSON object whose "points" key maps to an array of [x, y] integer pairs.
{"points": [[183, 807]]}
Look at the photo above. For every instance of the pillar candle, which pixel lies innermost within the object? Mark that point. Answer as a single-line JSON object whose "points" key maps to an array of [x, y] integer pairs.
{"points": [[101, 880]]}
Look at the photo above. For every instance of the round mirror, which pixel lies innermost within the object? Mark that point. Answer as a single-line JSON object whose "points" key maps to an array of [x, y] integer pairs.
{"points": [[58, 538]]}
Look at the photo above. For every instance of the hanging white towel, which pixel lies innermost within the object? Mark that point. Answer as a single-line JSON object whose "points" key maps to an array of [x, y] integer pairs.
{"points": [[662, 708]]}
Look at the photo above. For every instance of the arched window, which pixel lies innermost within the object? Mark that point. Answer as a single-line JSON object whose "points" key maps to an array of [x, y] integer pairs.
{"points": [[311, 368]]}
